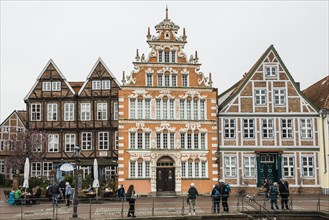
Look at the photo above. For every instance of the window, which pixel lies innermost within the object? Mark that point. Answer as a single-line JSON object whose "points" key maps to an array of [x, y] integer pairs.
{"points": [[2, 145], [96, 84], [147, 108], [195, 110], [140, 169], [196, 141], [248, 128], [267, 128], [103, 140], [85, 111], [189, 141], [167, 56], [52, 112], [189, 169], [197, 169], [56, 86], [288, 167], [167, 80], [140, 109], [184, 80], [69, 142], [158, 109], [35, 169], [116, 140], [5, 129], [2, 166], [147, 169], [182, 140], [139, 140], [188, 109], [204, 169], [306, 128], [249, 166], [183, 169], [174, 80], [132, 108], [173, 56], [286, 128], [160, 54], [160, 79], [172, 109], [260, 96], [35, 112], [46, 86], [86, 141], [86, 171], [202, 110], [279, 96], [68, 111], [203, 141], [53, 143], [270, 70], [172, 140], [101, 111], [149, 79], [147, 140], [110, 172], [308, 166], [132, 169], [165, 109], [230, 166], [182, 109], [115, 111], [229, 128], [133, 140], [142, 138], [47, 167], [106, 84]]}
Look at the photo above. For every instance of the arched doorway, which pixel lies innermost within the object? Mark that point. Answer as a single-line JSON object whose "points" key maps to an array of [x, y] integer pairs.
{"points": [[165, 174]]}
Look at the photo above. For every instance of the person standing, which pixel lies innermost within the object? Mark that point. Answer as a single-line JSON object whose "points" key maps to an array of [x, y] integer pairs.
{"points": [[18, 194], [266, 186], [215, 195], [274, 192], [130, 196], [192, 194], [68, 192], [284, 193], [11, 199], [55, 191], [62, 187], [121, 193], [225, 193]]}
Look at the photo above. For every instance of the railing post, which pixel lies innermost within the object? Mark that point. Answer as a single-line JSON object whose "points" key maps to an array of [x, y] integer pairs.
{"points": [[153, 207], [53, 210], [291, 206], [122, 208], [242, 203], [238, 204], [21, 211], [183, 208], [318, 205], [90, 208]]}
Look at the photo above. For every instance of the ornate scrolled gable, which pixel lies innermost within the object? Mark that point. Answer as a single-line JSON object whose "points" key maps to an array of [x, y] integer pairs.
{"points": [[131, 78], [193, 127], [165, 126], [167, 69], [140, 126], [186, 156], [165, 93], [140, 92], [192, 94]]}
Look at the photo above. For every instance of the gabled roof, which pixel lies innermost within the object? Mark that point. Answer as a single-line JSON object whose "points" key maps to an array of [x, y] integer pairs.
{"points": [[99, 60], [40, 75], [251, 72], [21, 115], [318, 93], [76, 86]]}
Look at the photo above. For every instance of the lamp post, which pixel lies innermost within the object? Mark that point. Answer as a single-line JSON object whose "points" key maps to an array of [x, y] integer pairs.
{"points": [[75, 196]]}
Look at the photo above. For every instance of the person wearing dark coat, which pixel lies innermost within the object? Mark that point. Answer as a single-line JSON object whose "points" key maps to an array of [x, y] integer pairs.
{"points": [[121, 193], [192, 194], [130, 196], [274, 192], [224, 194], [215, 195], [284, 193]]}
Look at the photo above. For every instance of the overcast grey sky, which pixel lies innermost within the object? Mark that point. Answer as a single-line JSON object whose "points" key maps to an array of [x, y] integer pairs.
{"points": [[229, 36]]}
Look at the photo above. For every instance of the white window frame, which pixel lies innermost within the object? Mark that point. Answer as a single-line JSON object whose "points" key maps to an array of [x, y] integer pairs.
{"points": [[185, 80], [273, 70], [306, 128], [116, 140], [2, 166], [132, 108], [260, 96], [308, 168], [56, 86], [249, 166], [53, 143], [35, 112], [47, 167], [85, 111], [86, 141], [160, 80], [288, 129], [149, 79], [230, 166], [52, 112], [69, 142], [229, 131], [115, 111], [279, 96], [147, 108], [288, 166], [96, 84], [46, 86], [86, 170], [68, 111], [248, 130], [103, 140], [102, 111], [106, 84], [269, 129], [36, 169]]}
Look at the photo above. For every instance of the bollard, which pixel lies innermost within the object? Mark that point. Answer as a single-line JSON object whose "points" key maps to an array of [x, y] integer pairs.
{"points": [[90, 208], [153, 207], [318, 205], [21, 211], [121, 208], [183, 208]]}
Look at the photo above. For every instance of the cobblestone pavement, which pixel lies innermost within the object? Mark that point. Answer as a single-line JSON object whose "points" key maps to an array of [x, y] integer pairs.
{"points": [[146, 206]]}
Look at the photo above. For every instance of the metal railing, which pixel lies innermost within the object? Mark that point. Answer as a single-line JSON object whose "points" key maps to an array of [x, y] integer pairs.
{"points": [[107, 208]]}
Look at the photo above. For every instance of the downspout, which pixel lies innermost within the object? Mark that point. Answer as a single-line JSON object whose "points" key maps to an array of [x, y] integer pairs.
{"points": [[323, 115]]}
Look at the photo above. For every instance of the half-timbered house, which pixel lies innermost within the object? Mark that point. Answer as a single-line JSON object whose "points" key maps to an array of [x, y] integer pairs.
{"points": [[73, 114], [268, 129], [167, 119]]}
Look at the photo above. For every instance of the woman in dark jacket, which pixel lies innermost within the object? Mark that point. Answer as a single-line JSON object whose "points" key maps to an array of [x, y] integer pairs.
{"points": [[130, 196], [192, 194], [215, 195]]}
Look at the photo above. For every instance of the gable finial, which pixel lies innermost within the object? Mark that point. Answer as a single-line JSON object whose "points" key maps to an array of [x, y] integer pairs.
{"points": [[166, 12], [137, 56], [148, 33], [123, 78], [210, 80], [196, 56], [184, 35]]}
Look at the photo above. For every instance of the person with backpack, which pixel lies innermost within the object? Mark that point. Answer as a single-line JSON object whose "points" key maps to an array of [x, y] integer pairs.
{"points": [[274, 192], [215, 195], [192, 194], [225, 193]]}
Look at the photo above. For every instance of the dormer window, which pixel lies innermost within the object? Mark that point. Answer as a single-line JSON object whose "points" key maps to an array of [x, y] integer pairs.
{"points": [[167, 35], [101, 84], [270, 70], [51, 86], [56, 86], [167, 56]]}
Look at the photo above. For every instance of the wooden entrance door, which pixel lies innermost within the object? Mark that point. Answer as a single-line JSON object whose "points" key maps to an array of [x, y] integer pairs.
{"points": [[267, 169], [165, 179]]}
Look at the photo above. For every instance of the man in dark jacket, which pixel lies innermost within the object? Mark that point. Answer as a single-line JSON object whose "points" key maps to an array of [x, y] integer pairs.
{"points": [[192, 194], [215, 195], [224, 192], [284, 193], [56, 192]]}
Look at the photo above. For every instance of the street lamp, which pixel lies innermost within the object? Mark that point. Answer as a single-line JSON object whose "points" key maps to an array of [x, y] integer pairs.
{"points": [[75, 196]]}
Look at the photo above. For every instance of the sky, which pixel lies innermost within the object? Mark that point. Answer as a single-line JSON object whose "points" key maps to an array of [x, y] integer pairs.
{"points": [[229, 36]]}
